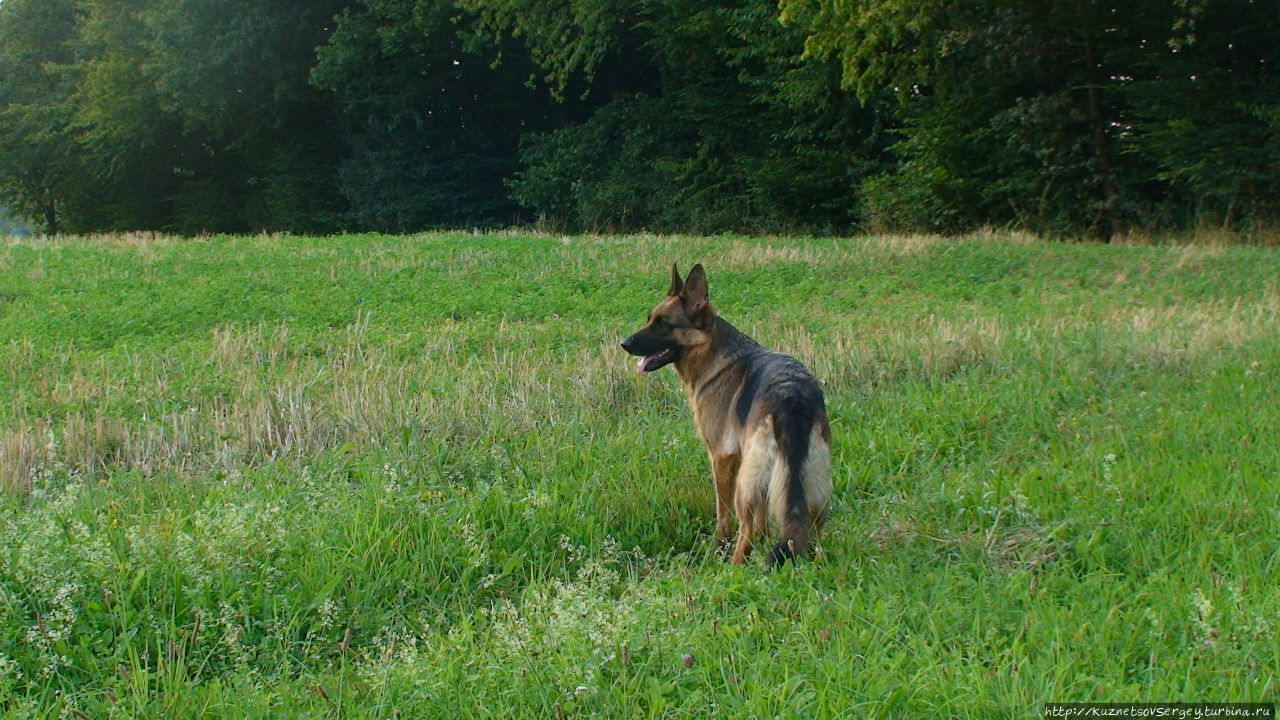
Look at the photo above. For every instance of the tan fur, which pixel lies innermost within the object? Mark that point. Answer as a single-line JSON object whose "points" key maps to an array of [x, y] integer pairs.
{"points": [[757, 491], [817, 475], [749, 466], [760, 462], [725, 468]]}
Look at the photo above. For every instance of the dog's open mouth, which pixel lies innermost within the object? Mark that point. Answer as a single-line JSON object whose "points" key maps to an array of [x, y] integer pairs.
{"points": [[649, 363]]}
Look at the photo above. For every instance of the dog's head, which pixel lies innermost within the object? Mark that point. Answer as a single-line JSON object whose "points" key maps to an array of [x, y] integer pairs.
{"points": [[677, 325]]}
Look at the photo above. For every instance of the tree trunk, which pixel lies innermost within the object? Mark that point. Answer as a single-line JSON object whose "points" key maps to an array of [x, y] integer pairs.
{"points": [[1109, 224], [50, 219]]}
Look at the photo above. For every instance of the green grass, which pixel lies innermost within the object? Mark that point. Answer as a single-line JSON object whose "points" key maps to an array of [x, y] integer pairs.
{"points": [[360, 476]]}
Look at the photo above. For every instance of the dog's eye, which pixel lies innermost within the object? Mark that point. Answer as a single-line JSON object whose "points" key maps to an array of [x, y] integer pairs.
{"points": [[660, 324]]}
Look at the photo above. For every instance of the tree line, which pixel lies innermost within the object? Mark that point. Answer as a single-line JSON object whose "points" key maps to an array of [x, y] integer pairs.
{"points": [[1074, 117]]}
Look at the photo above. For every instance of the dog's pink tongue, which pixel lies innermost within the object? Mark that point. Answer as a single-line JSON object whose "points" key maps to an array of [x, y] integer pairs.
{"points": [[647, 362]]}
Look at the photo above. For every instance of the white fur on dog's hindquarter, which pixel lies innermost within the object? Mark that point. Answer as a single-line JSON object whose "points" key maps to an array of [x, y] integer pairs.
{"points": [[762, 478]]}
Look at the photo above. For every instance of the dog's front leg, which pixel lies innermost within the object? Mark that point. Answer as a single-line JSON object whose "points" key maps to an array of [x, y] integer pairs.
{"points": [[725, 470]]}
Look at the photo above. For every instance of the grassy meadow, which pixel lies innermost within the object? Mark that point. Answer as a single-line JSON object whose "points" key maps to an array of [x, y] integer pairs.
{"points": [[385, 476]]}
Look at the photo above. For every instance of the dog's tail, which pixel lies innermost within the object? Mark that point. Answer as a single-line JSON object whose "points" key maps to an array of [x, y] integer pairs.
{"points": [[793, 419]]}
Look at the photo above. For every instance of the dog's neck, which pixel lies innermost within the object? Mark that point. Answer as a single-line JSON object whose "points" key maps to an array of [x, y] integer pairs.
{"points": [[706, 358]]}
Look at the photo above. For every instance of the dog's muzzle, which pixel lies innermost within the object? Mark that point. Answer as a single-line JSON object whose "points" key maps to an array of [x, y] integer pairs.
{"points": [[653, 355]]}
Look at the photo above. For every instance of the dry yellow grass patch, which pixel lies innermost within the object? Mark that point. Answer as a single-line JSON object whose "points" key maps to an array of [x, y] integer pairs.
{"points": [[745, 254], [1004, 237], [131, 240], [21, 453], [19, 356], [256, 345], [283, 403], [1195, 328], [847, 354], [275, 398], [378, 260], [1190, 257], [899, 245], [1201, 236]]}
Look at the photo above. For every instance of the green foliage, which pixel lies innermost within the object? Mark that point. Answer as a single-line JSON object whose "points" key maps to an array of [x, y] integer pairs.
{"points": [[908, 200], [1205, 113], [605, 173], [139, 155], [370, 475], [37, 178], [238, 80], [432, 128], [1055, 116], [736, 134], [1064, 118], [871, 38], [11, 225], [142, 114], [568, 39]]}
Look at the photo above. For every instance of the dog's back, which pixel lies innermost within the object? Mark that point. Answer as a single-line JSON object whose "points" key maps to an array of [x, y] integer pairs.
{"points": [[777, 409], [799, 487]]}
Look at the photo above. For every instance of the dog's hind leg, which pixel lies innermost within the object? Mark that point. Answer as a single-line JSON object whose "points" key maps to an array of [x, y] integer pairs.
{"points": [[817, 480], [759, 456]]}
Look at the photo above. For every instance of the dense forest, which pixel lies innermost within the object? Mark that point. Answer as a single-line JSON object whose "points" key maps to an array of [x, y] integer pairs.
{"points": [[1066, 117]]}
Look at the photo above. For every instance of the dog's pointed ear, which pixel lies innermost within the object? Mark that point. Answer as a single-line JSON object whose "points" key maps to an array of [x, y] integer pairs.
{"points": [[694, 293], [677, 285]]}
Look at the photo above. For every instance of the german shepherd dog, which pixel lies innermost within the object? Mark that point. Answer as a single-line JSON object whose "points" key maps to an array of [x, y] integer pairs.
{"points": [[760, 413]]}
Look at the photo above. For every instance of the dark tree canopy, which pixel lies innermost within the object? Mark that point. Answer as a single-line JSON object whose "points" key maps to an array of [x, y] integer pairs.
{"points": [[1072, 118]]}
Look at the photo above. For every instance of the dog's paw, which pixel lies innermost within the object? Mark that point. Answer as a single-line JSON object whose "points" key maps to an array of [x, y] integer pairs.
{"points": [[723, 546]]}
